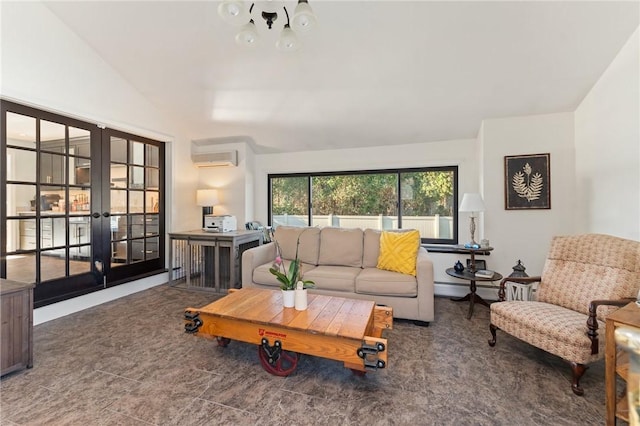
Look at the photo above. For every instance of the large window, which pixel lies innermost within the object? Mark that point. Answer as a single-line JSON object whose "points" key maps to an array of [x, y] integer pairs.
{"points": [[423, 199]]}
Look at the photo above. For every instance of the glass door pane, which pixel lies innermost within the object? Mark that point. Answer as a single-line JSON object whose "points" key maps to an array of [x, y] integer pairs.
{"points": [[135, 201], [47, 210], [77, 200]]}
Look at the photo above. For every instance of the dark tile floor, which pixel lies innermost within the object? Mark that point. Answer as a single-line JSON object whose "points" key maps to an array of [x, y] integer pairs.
{"points": [[128, 362]]}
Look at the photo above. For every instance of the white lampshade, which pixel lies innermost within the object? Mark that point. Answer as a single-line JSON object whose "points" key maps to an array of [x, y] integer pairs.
{"points": [[207, 197], [304, 19], [234, 12], [288, 41], [471, 202], [248, 35]]}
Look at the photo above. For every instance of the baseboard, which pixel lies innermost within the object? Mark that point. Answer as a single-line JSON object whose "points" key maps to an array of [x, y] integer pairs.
{"points": [[66, 307]]}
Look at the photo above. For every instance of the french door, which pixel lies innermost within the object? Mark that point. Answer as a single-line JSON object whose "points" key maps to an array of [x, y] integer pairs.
{"points": [[82, 207]]}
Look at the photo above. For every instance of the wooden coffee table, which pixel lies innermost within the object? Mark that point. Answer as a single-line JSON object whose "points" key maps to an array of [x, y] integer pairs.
{"points": [[347, 330]]}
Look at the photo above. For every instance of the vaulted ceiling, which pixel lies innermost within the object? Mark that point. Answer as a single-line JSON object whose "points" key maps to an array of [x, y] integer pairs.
{"points": [[372, 73]]}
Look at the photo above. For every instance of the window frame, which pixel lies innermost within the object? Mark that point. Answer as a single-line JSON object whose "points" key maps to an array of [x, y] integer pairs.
{"points": [[397, 171]]}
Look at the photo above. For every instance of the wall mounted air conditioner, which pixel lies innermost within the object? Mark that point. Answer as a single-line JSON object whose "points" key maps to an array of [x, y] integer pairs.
{"points": [[215, 159]]}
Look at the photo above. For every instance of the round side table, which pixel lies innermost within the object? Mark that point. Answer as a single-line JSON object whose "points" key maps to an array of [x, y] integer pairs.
{"points": [[472, 297]]}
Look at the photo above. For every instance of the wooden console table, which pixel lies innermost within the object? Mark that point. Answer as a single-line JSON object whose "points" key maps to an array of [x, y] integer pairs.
{"points": [[16, 311], [214, 257], [615, 364]]}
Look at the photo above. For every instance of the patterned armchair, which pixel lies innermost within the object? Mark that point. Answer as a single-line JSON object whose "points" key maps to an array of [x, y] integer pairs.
{"points": [[585, 277]]}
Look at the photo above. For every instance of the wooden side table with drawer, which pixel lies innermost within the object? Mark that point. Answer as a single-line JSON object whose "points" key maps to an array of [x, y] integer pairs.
{"points": [[16, 311], [616, 361]]}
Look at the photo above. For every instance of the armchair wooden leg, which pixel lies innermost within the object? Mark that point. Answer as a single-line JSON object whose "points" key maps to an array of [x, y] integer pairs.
{"points": [[578, 371], [492, 341]]}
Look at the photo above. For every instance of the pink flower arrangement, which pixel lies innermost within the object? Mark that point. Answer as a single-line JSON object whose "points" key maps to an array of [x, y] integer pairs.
{"points": [[289, 279]]}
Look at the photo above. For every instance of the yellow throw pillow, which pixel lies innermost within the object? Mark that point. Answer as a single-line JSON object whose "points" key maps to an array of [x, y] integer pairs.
{"points": [[398, 251]]}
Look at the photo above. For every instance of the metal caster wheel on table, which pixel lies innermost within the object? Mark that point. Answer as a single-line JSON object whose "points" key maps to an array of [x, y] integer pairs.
{"points": [[277, 361], [223, 341]]}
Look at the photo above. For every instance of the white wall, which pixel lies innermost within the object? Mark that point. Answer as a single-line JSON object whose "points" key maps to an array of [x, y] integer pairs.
{"points": [[45, 65], [607, 129], [233, 183], [526, 234]]}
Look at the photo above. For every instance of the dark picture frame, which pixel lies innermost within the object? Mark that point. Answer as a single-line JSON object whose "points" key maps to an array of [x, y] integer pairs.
{"points": [[527, 182]]}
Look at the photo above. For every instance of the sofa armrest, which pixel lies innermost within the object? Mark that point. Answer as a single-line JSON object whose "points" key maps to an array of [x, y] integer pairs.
{"points": [[592, 321], [424, 278], [254, 257], [424, 266], [520, 280]]}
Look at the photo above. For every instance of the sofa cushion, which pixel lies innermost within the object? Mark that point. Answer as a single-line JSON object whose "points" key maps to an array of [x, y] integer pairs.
{"points": [[337, 278], [287, 238], [371, 249], [398, 251], [341, 247], [386, 283], [261, 274]]}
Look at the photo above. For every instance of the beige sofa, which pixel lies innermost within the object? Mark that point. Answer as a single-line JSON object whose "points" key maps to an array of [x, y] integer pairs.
{"points": [[342, 262]]}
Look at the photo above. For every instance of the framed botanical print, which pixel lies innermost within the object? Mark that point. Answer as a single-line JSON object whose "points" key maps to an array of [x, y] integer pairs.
{"points": [[527, 183]]}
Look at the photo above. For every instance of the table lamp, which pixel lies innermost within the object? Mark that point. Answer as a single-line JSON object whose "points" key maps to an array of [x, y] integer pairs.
{"points": [[206, 198], [472, 202]]}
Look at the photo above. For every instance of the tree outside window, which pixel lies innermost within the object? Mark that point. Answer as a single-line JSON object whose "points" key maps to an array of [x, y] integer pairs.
{"points": [[422, 199]]}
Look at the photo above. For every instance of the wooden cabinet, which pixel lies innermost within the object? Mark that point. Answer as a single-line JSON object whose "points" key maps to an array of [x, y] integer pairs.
{"points": [[617, 362], [79, 233], [52, 233], [16, 311], [144, 226], [27, 234]]}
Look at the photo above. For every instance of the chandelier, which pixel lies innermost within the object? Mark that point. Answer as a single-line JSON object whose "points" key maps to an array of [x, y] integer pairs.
{"points": [[238, 12]]}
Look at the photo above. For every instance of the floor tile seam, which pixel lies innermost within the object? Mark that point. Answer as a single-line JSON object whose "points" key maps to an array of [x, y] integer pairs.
{"points": [[206, 388], [118, 376]]}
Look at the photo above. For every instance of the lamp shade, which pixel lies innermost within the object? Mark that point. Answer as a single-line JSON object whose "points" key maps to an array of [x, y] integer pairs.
{"points": [[248, 35], [233, 11], [303, 18], [207, 197], [471, 202], [288, 41]]}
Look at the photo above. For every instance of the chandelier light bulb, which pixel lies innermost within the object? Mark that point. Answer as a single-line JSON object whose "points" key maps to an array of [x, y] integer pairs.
{"points": [[304, 19], [248, 35], [245, 14], [233, 11], [288, 41]]}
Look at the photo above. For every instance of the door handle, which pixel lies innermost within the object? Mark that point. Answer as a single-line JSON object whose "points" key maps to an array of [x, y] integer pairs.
{"points": [[95, 215], [106, 214]]}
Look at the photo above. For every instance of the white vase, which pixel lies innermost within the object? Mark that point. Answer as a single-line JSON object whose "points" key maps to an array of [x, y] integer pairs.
{"points": [[301, 299], [288, 298]]}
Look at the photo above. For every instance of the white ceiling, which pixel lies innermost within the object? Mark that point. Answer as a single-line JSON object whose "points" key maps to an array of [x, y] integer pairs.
{"points": [[373, 73]]}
